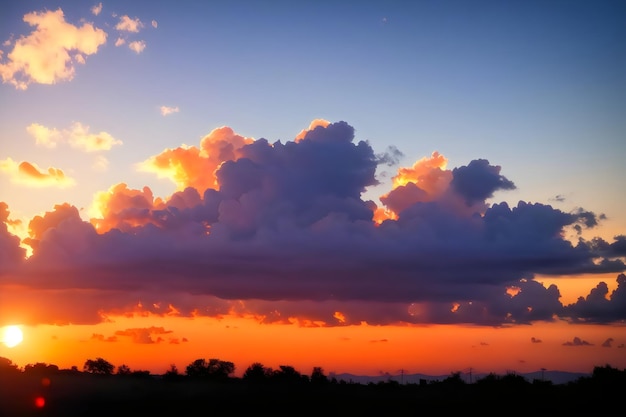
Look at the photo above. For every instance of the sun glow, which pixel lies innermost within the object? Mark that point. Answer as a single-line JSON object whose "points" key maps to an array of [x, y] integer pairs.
{"points": [[12, 336]]}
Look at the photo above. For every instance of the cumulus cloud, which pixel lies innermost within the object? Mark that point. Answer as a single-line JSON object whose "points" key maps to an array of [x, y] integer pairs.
{"points": [[166, 110], [120, 41], [29, 174], [155, 24], [77, 136], [279, 231], [45, 55], [137, 46], [126, 24], [190, 166]]}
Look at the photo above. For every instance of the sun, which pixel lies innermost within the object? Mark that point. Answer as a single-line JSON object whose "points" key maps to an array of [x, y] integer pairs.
{"points": [[12, 336]]}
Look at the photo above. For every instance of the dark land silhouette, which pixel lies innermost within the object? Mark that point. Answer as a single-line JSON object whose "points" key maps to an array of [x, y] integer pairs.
{"points": [[208, 388]]}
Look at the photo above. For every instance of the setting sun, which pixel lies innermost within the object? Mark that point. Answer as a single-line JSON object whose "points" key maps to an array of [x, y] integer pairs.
{"points": [[12, 336]]}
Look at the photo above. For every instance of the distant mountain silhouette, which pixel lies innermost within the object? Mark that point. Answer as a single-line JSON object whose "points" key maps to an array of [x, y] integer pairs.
{"points": [[556, 377]]}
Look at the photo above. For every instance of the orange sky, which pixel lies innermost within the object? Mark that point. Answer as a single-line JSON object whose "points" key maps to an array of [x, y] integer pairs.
{"points": [[358, 349]]}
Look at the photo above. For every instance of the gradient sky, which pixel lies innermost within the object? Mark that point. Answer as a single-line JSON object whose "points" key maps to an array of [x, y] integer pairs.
{"points": [[362, 186]]}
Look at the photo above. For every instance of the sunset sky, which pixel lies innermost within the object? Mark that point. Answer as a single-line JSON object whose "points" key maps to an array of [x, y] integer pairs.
{"points": [[428, 186]]}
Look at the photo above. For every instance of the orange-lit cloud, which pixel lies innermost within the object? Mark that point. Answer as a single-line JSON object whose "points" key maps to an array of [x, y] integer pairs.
{"points": [[120, 41], [315, 123], [425, 181], [189, 166], [31, 175], [166, 110], [77, 136], [122, 208], [45, 56]]}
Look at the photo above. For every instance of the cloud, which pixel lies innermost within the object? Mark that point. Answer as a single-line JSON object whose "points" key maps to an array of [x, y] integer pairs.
{"points": [[100, 163], [120, 41], [608, 342], [11, 254], [45, 55], [137, 46], [101, 338], [315, 123], [96, 9], [478, 181], [126, 24], [155, 24], [143, 335], [77, 136], [189, 166], [577, 341], [29, 174], [44, 136], [280, 232], [598, 306], [166, 110], [81, 138]]}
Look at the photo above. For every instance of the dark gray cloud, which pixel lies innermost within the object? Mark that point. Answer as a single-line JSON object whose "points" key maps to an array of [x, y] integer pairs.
{"points": [[479, 180], [577, 341], [598, 306], [287, 234]]}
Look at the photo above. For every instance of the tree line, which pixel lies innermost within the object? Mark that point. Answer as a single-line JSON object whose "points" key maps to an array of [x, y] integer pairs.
{"points": [[222, 371]]}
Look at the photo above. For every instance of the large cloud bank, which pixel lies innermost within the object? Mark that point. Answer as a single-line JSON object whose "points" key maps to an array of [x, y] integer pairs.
{"points": [[281, 232]]}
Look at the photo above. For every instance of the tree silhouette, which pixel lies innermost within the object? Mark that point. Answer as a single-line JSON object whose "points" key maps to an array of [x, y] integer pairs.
{"points": [[257, 373], [318, 377], [7, 366], [98, 366], [213, 369], [172, 374], [288, 375], [41, 368], [123, 370]]}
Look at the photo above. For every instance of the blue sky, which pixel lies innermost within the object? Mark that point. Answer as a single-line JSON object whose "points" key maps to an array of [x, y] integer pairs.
{"points": [[536, 87]]}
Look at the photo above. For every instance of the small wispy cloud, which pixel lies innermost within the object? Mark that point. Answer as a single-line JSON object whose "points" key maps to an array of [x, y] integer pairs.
{"points": [[96, 9], [137, 46], [167, 110], [127, 24]]}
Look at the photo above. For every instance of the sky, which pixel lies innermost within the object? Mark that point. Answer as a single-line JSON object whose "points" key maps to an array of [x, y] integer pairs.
{"points": [[369, 187]]}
